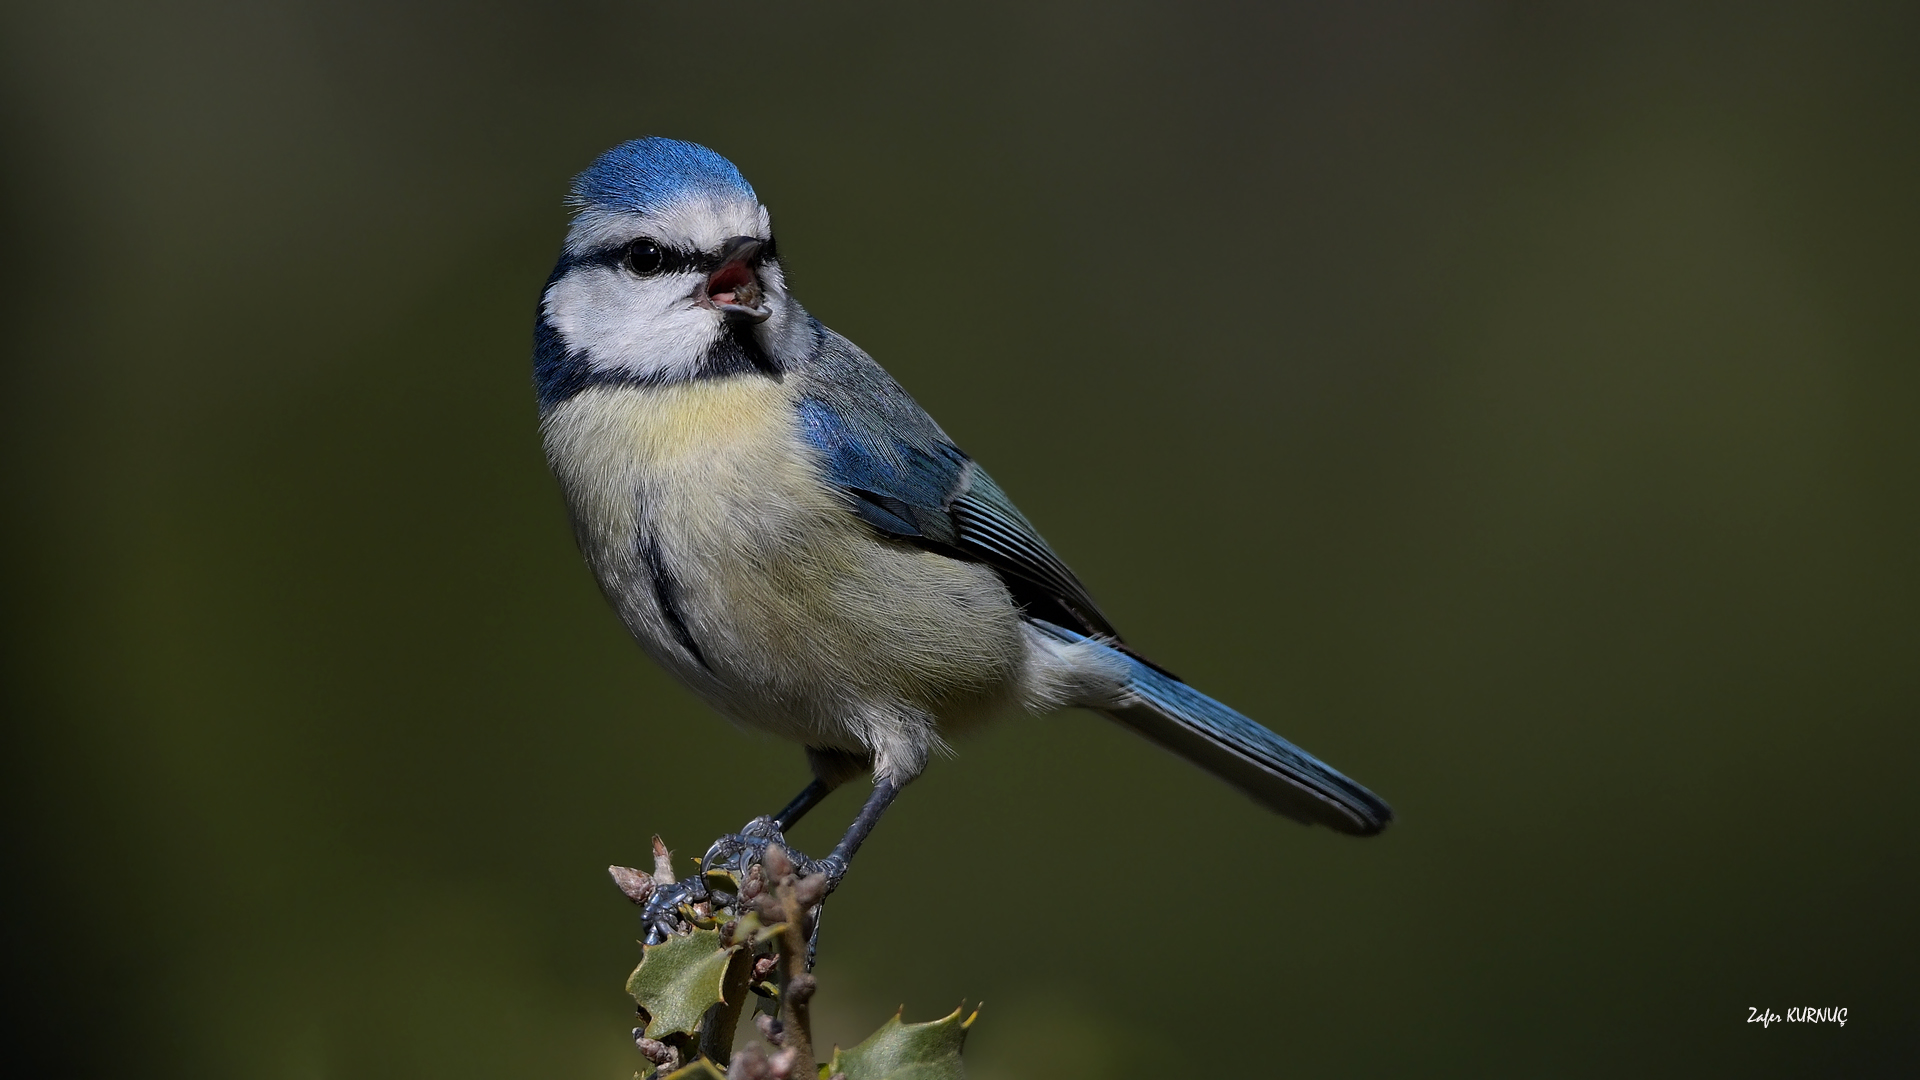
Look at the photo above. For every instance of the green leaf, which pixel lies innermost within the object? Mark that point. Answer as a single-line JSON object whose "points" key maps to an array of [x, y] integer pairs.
{"points": [[929, 1051], [678, 980]]}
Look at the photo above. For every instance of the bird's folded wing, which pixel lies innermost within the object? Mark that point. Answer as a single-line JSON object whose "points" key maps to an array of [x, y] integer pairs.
{"points": [[903, 477]]}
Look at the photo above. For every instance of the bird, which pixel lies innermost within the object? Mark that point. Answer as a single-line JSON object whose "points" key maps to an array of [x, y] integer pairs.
{"points": [[785, 530]]}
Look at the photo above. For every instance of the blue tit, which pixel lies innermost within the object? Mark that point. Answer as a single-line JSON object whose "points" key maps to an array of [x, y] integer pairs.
{"points": [[785, 530]]}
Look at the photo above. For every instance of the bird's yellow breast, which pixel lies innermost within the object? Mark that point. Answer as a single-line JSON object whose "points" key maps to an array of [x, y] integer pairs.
{"points": [[784, 590], [688, 455], [704, 419]]}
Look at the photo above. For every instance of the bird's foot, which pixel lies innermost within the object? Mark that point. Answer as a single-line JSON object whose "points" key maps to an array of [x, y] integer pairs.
{"points": [[737, 853], [671, 906], [760, 850], [663, 913]]}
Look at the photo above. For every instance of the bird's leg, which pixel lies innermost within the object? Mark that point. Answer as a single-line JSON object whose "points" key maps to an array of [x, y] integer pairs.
{"points": [[808, 798], [740, 850], [737, 852], [835, 865], [733, 852]]}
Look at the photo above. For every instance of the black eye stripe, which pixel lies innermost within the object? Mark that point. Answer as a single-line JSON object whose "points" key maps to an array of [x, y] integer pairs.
{"points": [[672, 259]]}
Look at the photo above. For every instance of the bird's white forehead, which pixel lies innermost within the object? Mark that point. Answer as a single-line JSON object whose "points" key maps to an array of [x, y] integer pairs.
{"points": [[697, 223]]}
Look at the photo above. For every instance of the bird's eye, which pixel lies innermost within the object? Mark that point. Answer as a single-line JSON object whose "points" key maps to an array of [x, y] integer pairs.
{"points": [[644, 257]]}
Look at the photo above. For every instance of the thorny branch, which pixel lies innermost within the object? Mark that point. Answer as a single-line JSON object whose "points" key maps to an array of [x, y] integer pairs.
{"points": [[750, 938]]}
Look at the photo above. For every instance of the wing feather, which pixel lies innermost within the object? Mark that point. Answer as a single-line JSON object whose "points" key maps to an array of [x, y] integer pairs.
{"points": [[905, 478]]}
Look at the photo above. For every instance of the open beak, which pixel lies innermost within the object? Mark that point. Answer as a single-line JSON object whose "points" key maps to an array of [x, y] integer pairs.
{"points": [[734, 289]]}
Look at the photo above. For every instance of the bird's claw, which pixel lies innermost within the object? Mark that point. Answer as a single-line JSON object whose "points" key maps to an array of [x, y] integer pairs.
{"points": [[833, 866], [661, 917], [735, 854]]}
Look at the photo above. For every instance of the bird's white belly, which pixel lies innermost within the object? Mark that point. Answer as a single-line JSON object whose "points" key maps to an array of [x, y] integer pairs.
{"points": [[777, 604]]}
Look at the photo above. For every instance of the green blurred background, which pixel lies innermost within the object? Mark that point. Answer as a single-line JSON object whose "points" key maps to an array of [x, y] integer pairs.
{"points": [[1515, 404]]}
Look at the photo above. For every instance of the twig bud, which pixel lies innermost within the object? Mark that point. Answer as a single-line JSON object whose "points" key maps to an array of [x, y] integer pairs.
{"points": [[808, 891], [749, 1064], [636, 885], [778, 863], [666, 1057], [662, 863]]}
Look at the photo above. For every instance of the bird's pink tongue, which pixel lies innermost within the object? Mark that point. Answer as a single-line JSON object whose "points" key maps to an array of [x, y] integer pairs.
{"points": [[727, 282]]}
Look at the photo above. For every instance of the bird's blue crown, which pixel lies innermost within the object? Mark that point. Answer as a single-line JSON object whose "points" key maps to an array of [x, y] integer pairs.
{"points": [[647, 174]]}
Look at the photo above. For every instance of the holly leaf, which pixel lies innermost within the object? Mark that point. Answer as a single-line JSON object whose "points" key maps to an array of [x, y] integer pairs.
{"points": [[929, 1051], [678, 980]]}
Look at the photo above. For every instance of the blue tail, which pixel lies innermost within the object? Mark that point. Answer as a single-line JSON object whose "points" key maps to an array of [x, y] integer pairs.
{"points": [[1273, 771]]}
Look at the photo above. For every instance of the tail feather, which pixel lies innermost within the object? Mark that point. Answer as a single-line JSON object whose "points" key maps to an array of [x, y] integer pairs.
{"points": [[1268, 768]]}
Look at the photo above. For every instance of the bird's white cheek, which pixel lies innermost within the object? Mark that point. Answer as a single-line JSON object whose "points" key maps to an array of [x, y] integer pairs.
{"points": [[643, 328]]}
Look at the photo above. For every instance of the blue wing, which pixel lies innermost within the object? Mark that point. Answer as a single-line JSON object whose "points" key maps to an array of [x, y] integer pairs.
{"points": [[905, 478]]}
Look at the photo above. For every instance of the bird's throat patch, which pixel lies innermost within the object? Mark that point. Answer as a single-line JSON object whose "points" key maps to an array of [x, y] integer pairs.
{"points": [[685, 441]]}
